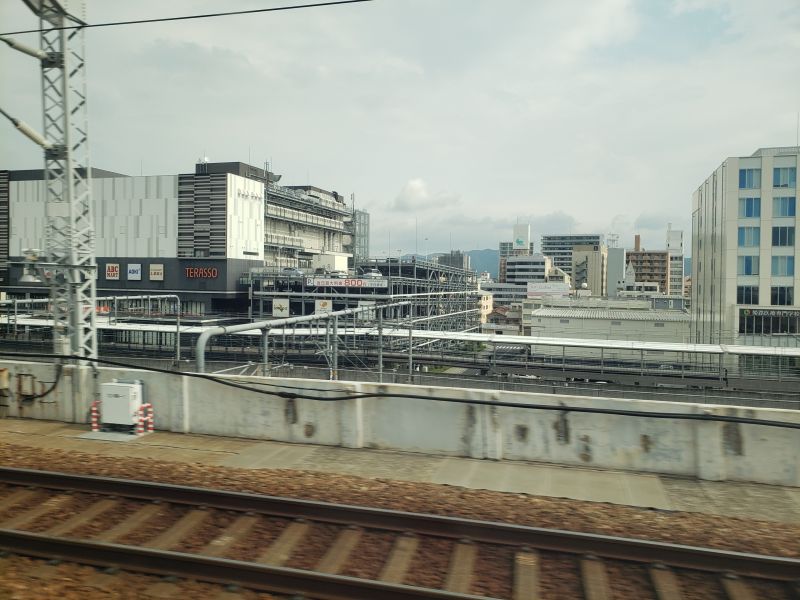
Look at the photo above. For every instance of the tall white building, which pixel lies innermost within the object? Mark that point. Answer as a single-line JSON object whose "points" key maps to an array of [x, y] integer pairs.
{"points": [[675, 251], [744, 218]]}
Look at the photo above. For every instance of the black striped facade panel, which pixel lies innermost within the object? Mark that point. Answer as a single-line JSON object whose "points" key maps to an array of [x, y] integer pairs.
{"points": [[5, 226], [202, 215]]}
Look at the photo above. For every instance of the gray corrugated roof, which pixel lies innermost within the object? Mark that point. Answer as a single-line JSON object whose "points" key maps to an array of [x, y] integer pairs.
{"points": [[612, 314]]}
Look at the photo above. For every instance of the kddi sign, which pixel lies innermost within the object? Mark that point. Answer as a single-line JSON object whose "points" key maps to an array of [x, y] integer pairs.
{"points": [[201, 272]]}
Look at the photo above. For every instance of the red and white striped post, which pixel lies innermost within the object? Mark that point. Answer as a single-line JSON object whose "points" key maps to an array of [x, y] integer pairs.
{"points": [[95, 415], [145, 423]]}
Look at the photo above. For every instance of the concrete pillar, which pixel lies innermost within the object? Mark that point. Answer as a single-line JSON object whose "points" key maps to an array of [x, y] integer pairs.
{"points": [[352, 423], [709, 449]]}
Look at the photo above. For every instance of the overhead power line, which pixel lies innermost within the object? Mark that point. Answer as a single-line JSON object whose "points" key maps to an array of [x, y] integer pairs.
{"points": [[188, 17]]}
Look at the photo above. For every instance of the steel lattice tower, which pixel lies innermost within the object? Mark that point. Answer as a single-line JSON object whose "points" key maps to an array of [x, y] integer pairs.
{"points": [[72, 270]]}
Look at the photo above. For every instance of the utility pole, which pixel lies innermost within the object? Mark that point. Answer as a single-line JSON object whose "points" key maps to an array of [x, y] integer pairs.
{"points": [[69, 267]]}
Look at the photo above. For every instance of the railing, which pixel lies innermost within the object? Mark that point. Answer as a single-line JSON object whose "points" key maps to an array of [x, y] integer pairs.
{"points": [[306, 199], [283, 240], [292, 214]]}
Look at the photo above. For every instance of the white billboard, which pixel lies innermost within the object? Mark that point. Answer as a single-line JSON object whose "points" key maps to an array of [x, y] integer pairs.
{"points": [[322, 306], [135, 272], [522, 237], [280, 308], [555, 288], [157, 272], [112, 271], [355, 283]]}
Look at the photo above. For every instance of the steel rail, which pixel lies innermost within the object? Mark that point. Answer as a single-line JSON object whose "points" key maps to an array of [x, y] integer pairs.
{"points": [[612, 547], [217, 570]]}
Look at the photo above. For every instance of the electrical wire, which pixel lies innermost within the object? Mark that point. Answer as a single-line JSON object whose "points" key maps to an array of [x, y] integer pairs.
{"points": [[189, 17], [705, 416]]}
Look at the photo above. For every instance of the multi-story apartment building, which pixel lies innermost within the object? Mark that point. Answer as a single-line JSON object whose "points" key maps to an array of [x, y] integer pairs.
{"points": [[559, 247], [589, 264], [744, 219], [650, 265]]}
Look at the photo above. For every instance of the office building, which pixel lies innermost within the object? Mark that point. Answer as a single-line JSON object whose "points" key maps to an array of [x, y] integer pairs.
{"points": [[522, 270], [589, 266], [559, 247], [521, 245], [744, 219]]}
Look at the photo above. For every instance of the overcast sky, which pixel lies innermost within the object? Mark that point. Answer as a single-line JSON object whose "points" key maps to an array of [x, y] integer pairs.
{"points": [[448, 119]]}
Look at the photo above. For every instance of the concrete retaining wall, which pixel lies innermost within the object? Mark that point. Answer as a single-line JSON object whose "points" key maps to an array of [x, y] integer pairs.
{"points": [[708, 450]]}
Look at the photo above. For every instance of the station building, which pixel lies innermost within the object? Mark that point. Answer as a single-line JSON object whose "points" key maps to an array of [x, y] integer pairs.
{"points": [[196, 235]]}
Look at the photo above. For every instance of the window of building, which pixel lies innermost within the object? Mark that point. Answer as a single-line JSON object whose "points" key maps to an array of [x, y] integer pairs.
{"points": [[749, 207], [783, 266], [783, 206], [747, 265], [749, 236], [767, 325], [782, 177], [658, 324], [749, 179], [616, 322], [783, 236], [565, 320], [782, 295], [747, 294]]}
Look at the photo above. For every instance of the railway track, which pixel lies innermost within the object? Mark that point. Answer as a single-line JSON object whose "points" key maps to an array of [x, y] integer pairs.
{"points": [[334, 551]]}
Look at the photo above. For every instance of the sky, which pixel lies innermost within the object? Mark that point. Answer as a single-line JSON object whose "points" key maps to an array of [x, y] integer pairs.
{"points": [[448, 120]]}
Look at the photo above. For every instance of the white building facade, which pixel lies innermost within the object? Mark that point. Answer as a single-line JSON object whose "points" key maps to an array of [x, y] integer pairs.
{"points": [[744, 219]]}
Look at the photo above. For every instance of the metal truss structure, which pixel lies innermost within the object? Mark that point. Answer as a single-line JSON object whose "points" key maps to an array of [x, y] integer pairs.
{"points": [[70, 268]]}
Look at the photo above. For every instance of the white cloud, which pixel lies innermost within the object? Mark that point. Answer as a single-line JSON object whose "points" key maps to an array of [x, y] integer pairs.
{"points": [[597, 111]]}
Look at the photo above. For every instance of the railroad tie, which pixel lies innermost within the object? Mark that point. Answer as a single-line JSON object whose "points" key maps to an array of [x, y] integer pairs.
{"points": [[337, 555], [180, 530], [736, 589], [75, 521], [403, 551], [595, 579], [526, 575], [123, 528], [25, 517], [665, 583], [22, 496], [462, 563], [281, 549], [234, 533]]}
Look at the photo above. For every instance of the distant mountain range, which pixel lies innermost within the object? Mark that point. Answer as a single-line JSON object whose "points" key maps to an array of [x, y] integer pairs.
{"points": [[484, 260]]}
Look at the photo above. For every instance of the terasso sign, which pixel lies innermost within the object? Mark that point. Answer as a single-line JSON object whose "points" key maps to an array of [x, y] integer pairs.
{"points": [[354, 283], [201, 272]]}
